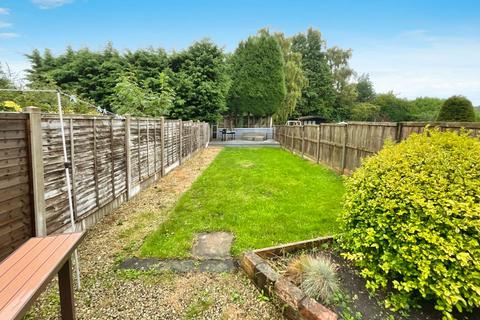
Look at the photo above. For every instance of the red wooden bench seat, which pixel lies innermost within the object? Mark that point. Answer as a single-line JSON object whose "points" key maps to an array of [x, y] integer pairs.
{"points": [[26, 272]]}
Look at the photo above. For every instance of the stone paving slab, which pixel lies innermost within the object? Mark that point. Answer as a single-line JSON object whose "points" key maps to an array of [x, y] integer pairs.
{"points": [[212, 245], [180, 266]]}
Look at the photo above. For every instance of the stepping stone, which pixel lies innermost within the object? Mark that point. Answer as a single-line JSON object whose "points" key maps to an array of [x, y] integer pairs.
{"points": [[214, 245], [179, 266], [211, 252], [217, 266]]}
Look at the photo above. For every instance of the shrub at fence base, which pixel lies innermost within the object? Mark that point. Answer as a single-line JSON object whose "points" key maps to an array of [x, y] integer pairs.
{"points": [[412, 221]]}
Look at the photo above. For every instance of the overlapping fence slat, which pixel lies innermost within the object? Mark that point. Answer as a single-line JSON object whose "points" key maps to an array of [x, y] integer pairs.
{"points": [[16, 223], [343, 146]]}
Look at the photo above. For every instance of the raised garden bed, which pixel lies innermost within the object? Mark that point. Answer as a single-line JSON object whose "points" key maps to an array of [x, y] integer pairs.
{"points": [[266, 267]]}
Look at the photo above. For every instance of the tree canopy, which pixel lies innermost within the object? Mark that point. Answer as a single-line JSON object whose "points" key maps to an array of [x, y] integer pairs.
{"points": [[191, 84], [318, 97], [258, 76], [365, 90], [457, 108], [269, 74], [200, 81], [295, 79]]}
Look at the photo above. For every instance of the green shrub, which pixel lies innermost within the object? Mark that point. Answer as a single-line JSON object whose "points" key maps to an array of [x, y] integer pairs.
{"points": [[411, 221], [457, 108]]}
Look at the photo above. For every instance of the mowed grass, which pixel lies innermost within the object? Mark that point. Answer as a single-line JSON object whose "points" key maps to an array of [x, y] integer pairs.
{"points": [[264, 196]]}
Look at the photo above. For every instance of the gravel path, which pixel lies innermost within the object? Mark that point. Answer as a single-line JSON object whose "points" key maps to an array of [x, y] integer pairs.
{"points": [[110, 294]]}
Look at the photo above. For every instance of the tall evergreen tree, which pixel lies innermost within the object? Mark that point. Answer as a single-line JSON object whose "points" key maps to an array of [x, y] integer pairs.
{"points": [[318, 98], [457, 108], [365, 90], [295, 79], [345, 89], [201, 82], [258, 76]]}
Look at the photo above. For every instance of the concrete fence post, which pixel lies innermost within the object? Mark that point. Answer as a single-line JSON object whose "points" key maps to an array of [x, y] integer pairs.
{"points": [[162, 145], [180, 144], [128, 156], [38, 182]]}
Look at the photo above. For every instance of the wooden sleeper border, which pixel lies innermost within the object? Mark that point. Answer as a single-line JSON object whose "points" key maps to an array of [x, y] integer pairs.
{"points": [[296, 305]]}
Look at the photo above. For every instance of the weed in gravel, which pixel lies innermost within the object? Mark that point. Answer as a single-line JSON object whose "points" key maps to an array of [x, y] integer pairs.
{"points": [[147, 276], [236, 297], [263, 297], [199, 306], [52, 303]]}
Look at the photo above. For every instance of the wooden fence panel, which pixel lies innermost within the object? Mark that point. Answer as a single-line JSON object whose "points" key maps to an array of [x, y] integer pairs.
{"points": [[365, 139], [119, 157], [343, 146], [99, 160], [16, 213], [310, 142], [56, 200], [172, 135], [98, 153], [187, 136], [408, 128], [85, 166]]}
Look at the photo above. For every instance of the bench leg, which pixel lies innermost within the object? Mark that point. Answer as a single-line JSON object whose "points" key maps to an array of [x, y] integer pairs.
{"points": [[65, 283]]}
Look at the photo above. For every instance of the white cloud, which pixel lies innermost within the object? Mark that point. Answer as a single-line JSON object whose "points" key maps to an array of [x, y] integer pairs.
{"points": [[8, 35], [415, 63], [4, 24], [49, 4], [4, 11]]}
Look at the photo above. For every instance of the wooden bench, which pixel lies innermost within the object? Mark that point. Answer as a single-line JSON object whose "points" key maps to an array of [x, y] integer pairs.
{"points": [[27, 271]]}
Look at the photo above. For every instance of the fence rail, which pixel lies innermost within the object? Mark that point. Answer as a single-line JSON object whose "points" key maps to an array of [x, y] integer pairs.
{"points": [[111, 160], [343, 146]]}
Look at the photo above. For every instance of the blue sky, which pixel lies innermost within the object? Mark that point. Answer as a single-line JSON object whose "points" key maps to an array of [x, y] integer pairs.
{"points": [[415, 48]]}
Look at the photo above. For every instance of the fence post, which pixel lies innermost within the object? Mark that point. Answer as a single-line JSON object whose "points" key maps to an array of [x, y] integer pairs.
{"points": [[36, 156], [318, 143], [139, 150], [303, 140], [155, 147], [128, 157], [74, 170], [162, 145], [112, 151], [95, 165], [344, 147], [206, 129], [398, 133], [191, 132], [180, 145], [148, 149], [291, 136]]}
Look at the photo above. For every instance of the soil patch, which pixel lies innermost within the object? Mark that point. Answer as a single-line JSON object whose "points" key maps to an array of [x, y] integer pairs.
{"points": [[355, 301]]}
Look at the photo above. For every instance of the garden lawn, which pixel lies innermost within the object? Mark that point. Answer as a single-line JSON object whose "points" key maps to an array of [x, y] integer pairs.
{"points": [[264, 196]]}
